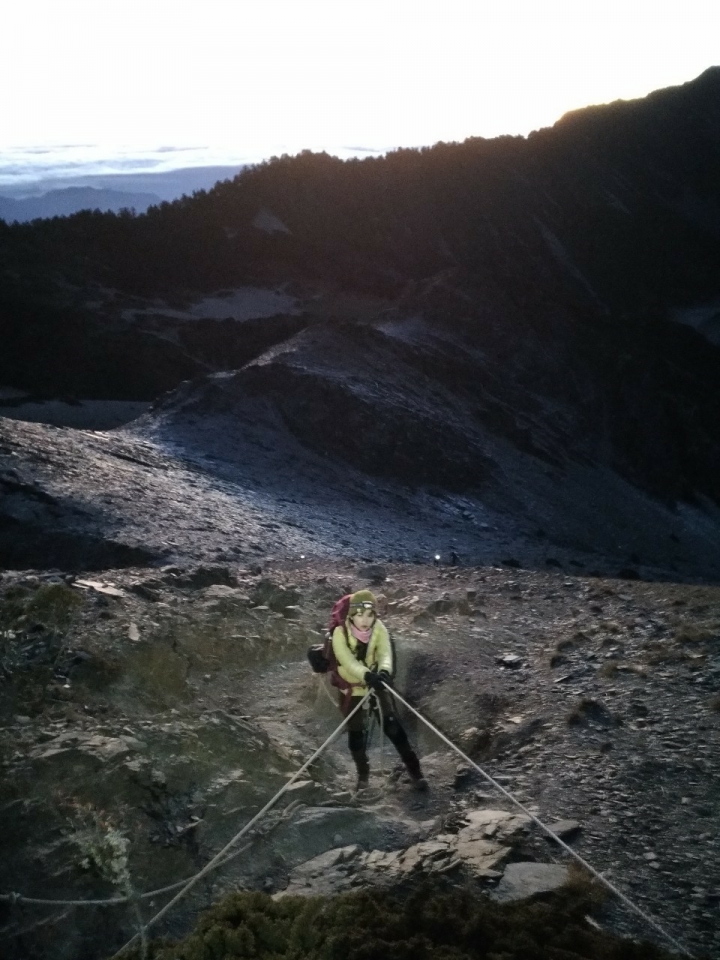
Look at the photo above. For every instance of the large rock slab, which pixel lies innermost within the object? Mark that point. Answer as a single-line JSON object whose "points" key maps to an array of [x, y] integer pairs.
{"points": [[523, 880], [498, 824], [305, 838], [476, 848]]}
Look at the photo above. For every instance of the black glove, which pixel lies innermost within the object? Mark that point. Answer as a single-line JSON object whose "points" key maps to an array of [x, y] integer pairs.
{"points": [[384, 677], [372, 680]]}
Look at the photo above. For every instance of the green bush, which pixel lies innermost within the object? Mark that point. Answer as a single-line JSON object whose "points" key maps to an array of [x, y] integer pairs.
{"points": [[53, 605], [429, 923]]}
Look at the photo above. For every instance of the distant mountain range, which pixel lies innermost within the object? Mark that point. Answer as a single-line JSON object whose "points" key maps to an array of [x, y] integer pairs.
{"points": [[61, 203], [56, 197]]}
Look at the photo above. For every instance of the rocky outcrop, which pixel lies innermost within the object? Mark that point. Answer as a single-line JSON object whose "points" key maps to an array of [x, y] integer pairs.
{"points": [[523, 880], [480, 849]]}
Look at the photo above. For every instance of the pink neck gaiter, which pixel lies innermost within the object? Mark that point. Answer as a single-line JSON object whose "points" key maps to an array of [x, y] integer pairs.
{"points": [[362, 635]]}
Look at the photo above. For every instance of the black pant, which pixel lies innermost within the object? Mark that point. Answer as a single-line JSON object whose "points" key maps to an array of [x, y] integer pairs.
{"points": [[392, 728]]}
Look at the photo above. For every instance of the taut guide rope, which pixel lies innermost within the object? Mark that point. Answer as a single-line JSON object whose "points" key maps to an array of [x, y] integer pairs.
{"points": [[222, 858], [219, 856], [611, 887]]}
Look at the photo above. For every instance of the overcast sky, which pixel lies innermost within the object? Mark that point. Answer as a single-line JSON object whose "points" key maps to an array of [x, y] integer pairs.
{"points": [[246, 76]]}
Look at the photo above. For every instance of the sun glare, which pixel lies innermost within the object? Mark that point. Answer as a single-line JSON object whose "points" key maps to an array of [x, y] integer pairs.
{"points": [[323, 73]]}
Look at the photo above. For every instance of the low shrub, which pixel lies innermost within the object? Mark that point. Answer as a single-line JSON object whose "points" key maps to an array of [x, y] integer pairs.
{"points": [[589, 711], [429, 923]]}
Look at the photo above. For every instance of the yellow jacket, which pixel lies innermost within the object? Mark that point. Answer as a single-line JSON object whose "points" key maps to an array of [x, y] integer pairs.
{"points": [[379, 654]]}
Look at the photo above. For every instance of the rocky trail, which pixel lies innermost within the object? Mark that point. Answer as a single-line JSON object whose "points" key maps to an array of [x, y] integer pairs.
{"points": [[163, 706]]}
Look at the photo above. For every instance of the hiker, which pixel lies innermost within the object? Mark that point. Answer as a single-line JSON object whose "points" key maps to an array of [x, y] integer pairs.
{"points": [[364, 656]]}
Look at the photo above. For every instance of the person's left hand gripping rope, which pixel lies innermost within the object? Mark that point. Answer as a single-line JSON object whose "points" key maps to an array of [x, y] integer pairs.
{"points": [[373, 680]]}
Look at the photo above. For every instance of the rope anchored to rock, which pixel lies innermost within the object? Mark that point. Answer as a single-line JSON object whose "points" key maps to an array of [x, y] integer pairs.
{"points": [[506, 793], [219, 857], [224, 856]]}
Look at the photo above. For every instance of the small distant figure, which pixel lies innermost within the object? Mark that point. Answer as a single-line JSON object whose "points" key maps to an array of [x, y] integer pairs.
{"points": [[454, 559], [436, 560], [364, 657]]}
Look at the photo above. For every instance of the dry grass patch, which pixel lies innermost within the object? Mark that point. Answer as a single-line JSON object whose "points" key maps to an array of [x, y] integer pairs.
{"points": [[666, 653], [698, 633], [608, 669], [588, 710], [570, 643], [566, 646], [583, 884]]}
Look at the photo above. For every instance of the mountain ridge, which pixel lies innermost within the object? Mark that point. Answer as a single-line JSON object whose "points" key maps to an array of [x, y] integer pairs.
{"points": [[513, 295]]}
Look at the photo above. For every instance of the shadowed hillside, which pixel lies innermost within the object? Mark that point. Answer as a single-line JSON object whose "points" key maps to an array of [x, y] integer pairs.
{"points": [[491, 316]]}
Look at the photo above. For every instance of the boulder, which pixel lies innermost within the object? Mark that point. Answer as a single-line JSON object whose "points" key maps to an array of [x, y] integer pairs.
{"points": [[476, 848], [222, 591], [480, 856], [147, 592], [304, 790], [274, 595], [509, 660], [100, 747], [523, 880], [441, 604], [565, 829], [374, 573], [498, 824], [206, 577]]}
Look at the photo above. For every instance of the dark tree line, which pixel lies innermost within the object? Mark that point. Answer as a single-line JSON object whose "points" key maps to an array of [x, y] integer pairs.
{"points": [[628, 193]]}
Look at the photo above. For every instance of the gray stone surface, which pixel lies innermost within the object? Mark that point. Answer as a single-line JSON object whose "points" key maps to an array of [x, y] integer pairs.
{"points": [[523, 880]]}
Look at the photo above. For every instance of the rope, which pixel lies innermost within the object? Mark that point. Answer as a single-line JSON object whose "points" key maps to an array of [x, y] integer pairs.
{"points": [[142, 929], [218, 858], [369, 732], [321, 681], [221, 858], [613, 889], [381, 724], [15, 898]]}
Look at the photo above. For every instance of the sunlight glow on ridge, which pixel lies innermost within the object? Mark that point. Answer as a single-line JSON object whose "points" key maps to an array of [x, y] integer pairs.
{"points": [[317, 72]]}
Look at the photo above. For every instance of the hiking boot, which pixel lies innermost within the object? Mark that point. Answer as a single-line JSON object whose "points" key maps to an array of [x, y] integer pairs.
{"points": [[419, 784], [363, 781], [363, 769], [412, 765]]}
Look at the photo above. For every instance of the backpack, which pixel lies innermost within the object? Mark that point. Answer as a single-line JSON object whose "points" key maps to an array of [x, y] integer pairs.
{"points": [[322, 656]]}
